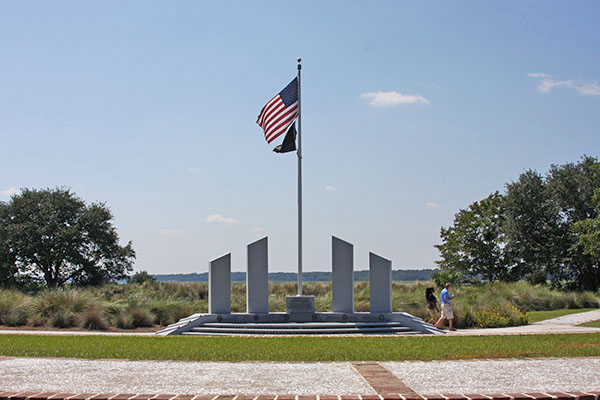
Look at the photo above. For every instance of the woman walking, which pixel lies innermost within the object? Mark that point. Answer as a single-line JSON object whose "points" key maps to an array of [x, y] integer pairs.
{"points": [[431, 304]]}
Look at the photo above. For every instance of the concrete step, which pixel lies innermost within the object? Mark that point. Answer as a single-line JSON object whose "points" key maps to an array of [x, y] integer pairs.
{"points": [[311, 328], [267, 333], [298, 332], [304, 325]]}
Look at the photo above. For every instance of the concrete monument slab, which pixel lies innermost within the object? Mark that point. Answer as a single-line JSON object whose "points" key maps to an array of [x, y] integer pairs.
{"points": [[219, 279], [257, 277], [380, 281], [342, 264]]}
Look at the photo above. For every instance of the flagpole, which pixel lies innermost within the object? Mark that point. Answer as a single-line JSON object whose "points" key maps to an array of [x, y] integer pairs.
{"points": [[299, 153]]}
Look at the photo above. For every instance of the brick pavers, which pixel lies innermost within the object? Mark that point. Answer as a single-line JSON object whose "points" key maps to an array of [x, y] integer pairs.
{"points": [[382, 380], [32, 395], [476, 396]]}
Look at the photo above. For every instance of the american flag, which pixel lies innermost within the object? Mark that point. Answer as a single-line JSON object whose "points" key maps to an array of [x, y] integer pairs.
{"points": [[280, 112]]}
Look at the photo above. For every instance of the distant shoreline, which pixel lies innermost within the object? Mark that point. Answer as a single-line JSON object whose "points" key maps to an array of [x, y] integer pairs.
{"points": [[315, 276]]}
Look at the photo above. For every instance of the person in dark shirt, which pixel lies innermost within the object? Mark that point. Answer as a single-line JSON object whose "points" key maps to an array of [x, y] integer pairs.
{"points": [[431, 304]]}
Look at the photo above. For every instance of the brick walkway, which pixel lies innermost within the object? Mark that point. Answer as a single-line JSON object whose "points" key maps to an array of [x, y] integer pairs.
{"points": [[382, 380], [388, 396]]}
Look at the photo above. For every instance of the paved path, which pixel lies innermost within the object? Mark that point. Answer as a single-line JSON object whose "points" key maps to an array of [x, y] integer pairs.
{"points": [[564, 324]]}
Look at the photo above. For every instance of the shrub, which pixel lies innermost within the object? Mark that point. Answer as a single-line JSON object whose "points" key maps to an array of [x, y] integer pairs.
{"points": [[93, 319], [63, 319], [18, 316], [317, 289], [13, 308], [141, 318], [37, 320], [123, 320], [52, 301], [167, 312]]}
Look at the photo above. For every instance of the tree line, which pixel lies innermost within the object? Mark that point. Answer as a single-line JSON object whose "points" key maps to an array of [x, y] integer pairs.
{"points": [[542, 228]]}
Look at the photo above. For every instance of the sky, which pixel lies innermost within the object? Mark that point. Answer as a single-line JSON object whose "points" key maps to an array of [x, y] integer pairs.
{"points": [[410, 112]]}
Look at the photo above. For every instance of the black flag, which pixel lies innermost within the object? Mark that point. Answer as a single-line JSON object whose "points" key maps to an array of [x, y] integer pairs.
{"points": [[289, 142]]}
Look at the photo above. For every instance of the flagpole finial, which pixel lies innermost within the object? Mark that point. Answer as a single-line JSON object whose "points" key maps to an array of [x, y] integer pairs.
{"points": [[299, 60]]}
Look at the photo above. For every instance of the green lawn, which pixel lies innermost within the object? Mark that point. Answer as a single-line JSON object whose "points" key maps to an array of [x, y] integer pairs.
{"points": [[536, 316], [300, 348], [592, 324]]}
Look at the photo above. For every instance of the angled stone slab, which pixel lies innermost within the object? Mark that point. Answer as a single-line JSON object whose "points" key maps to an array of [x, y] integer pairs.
{"points": [[380, 282], [219, 285], [342, 277], [257, 277]]}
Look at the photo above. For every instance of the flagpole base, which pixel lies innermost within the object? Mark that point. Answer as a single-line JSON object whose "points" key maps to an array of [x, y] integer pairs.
{"points": [[299, 304]]}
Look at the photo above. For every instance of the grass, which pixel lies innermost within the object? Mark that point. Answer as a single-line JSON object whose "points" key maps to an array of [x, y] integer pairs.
{"points": [[591, 324], [133, 306], [302, 349], [537, 316]]}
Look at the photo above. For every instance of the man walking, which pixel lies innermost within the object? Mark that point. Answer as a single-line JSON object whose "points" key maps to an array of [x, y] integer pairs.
{"points": [[446, 307]]}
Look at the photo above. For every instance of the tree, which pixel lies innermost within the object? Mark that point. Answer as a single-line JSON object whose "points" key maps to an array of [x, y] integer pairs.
{"points": [[52, 236], [589, 231], [141, 277], [8, 268], [572, 187], [531, 227], [542, 212], [545, 226], [474, 246]]}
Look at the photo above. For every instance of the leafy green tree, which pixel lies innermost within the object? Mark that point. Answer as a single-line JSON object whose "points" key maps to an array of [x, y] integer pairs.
{"points": [[572, 187], [8, 268], [531, 226], [542, 212], [589, 230], [473, 246], [52, 236]]}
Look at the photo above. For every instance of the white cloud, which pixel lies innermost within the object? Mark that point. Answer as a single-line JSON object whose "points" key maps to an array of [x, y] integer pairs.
{"points": [[431, 204], [171, 232], [9, 191], [589, 89], [393, 98], [330, 188], [547, 82], [545, 85], [219, 219], [258, 229], [194, 170], [539, 75]]}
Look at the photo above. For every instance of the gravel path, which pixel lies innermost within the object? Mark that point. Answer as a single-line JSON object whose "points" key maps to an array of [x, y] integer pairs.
{"points": [[108, 376], [465, 376], [499, 376]]}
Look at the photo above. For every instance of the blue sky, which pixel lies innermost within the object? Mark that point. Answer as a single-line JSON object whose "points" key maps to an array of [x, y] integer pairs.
{"points": [[411, 111]]}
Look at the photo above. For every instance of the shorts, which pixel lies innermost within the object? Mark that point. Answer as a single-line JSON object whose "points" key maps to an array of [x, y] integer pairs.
{"points": [[431, 313], [447, 311]]}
